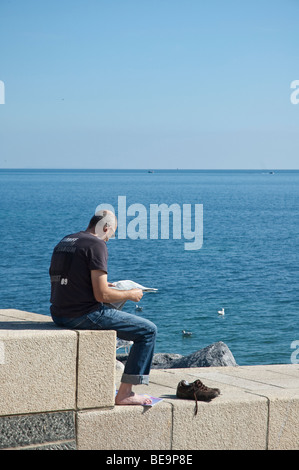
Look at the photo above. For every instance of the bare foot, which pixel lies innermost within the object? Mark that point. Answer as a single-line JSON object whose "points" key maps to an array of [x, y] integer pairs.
{"points": [[132, 399]]}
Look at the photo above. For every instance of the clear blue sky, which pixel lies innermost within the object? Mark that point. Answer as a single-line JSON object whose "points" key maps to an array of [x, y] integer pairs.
{"points": [[149, 84]]}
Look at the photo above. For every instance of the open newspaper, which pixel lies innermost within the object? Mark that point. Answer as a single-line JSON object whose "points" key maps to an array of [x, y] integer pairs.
{"points": [[128, 285]]}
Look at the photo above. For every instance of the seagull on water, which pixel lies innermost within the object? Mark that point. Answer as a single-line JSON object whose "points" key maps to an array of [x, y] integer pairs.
{"points": [[221, 312], [138, 308], [186, 333]]}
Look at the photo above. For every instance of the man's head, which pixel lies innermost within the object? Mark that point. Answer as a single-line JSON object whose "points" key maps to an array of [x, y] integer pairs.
{"points": [[103, 224]]}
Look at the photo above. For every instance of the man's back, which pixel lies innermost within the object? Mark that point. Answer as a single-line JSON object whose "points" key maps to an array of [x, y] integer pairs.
{"points": [[72, 261]]}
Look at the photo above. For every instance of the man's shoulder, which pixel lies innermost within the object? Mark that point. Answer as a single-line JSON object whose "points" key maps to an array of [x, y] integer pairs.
{"points": [[83, 240], [86, 239]]}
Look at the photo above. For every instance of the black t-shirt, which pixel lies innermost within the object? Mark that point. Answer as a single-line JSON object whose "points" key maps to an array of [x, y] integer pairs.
{"points": [[72, 260]]}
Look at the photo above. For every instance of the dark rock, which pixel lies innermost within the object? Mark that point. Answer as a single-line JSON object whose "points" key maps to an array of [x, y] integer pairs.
{"points": [[160, 360], [165, 360], [122, 358], [215, 355]]}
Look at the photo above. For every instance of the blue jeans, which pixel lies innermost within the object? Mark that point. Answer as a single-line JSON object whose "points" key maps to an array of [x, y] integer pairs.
{"points": [[128, 327]]}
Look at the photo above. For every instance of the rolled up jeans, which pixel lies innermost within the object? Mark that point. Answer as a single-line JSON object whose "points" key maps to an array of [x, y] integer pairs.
{"points": [[128, 327]]}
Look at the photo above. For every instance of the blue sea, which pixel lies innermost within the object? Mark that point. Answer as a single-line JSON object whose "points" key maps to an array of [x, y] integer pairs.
{"points": [[248, 263]]}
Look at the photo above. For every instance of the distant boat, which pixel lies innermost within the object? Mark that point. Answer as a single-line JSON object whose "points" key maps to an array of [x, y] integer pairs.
{"points": [[271, 172], [150, 171], [221, 312], [186, 333]]}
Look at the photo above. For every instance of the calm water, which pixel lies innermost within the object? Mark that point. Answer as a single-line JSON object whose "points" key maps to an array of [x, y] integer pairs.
{"points": [[248, 263]]}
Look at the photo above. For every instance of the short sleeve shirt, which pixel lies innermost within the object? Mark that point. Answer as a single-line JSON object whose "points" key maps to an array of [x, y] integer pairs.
{"points": [[72, 261]]}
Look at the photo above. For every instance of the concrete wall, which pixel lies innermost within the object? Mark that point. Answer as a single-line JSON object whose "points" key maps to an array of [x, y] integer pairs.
{"points": [[57, 392], [47, 375]]}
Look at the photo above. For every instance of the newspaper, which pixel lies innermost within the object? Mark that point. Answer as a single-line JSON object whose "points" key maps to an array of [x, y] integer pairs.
{"points": [[154, 400], [127, 285]]}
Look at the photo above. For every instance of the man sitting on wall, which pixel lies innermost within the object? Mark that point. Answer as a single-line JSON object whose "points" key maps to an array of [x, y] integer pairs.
{"points": [[80, 293]]}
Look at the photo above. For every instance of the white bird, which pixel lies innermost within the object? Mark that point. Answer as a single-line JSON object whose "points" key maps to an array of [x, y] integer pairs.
{"points": [[221, 312], [186, 333], [138, 308]]}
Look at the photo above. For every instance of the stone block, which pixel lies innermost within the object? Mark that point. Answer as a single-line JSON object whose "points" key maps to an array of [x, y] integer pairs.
{"points": [[37, 368], [265, 377], [96, 369], [12, 314], [69, 445], [51, 430], [283, 419], [125, 428], [234, 422]]}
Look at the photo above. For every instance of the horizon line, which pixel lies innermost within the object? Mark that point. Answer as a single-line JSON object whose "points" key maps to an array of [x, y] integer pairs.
{"points": [[151, 169]]}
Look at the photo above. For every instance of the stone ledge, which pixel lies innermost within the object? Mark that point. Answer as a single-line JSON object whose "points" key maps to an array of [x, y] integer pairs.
{"points": [[126, 428], [44, 368], [96, 369], [258, 408], [38, 370], [48, 375]]}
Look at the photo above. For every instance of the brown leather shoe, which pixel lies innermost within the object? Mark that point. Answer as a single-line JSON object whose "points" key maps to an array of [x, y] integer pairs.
{"points": [[196, 391]]}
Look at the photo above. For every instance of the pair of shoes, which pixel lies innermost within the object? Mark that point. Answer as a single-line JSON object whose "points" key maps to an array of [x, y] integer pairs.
{"points": [[196, 391]]}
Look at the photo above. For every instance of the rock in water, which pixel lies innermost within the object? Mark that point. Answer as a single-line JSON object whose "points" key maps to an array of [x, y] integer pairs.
{"points": [[119, 366], [165, 360], [215, 355]]}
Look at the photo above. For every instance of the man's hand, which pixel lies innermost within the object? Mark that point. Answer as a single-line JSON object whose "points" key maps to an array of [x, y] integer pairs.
{"points": [[136, 294], [103, 292]]}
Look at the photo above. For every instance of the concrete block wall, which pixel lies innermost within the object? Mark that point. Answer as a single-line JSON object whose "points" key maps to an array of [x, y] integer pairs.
{"points": [[48, 374], [57, 392]]}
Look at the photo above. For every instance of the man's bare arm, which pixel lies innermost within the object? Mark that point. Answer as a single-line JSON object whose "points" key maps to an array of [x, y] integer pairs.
{"points": [[105, 294]]}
